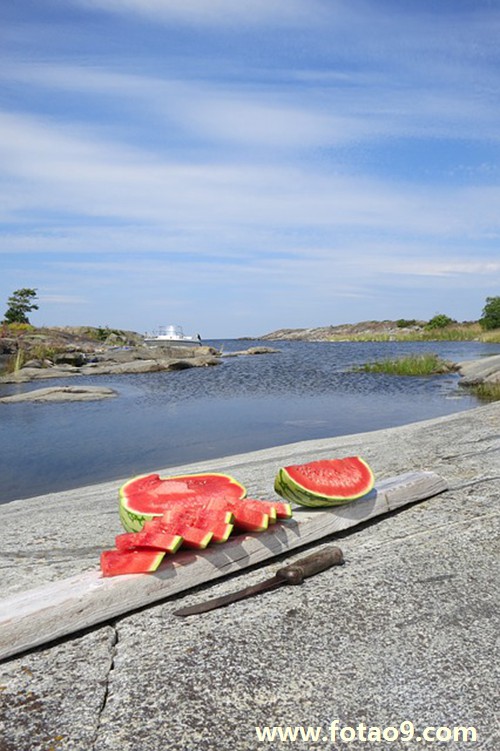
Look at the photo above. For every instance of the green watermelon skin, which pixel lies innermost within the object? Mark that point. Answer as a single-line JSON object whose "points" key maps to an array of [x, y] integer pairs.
{"points": [[327, 482]]}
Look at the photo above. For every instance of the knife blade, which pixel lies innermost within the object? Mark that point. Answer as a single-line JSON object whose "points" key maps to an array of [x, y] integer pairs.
{"points": [[295, 573]]}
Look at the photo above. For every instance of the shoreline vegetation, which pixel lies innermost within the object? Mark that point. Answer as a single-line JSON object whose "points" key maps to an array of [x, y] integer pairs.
{"points": [[429, 364]]}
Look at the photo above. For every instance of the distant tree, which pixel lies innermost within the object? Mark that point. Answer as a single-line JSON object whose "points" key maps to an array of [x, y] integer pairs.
{"points": [[20, 303], [491, 314], [440, 321]]}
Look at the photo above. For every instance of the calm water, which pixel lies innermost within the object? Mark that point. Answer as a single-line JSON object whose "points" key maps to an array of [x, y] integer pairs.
{"points": [[165, 419]]}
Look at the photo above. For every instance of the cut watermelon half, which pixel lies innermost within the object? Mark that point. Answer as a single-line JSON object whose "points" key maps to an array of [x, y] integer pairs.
{"points": [[327, 482], [147, 496]]}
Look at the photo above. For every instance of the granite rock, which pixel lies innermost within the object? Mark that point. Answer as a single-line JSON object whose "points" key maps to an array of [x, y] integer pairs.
{"points": [[405, 631]]}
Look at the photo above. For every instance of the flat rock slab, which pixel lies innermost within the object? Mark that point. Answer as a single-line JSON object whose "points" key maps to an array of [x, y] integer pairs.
{"points": [[483, 370], [404, 632], [113, 367], [62, 394], [253, 351], [24, 375]]}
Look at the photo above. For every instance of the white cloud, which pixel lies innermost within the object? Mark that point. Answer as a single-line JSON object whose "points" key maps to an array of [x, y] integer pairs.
{"points": [[267, 114], [215, 12], [71, 170]]}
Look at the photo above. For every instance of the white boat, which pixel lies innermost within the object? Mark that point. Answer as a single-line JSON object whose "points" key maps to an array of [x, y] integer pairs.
{"points": [[171, 335]]}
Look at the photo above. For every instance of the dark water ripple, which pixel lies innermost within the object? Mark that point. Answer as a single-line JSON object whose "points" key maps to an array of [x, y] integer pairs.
{"points": [[307, 390]]}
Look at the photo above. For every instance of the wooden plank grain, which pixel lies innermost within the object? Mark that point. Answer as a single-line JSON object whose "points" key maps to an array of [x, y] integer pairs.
{"points": [[37, 616]]}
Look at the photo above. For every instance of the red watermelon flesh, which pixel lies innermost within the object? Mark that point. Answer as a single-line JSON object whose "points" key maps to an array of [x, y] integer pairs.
{"points": [[114, 562], [250, 519], [217, 522], [192, 537], [249, 515], [275, 509]]}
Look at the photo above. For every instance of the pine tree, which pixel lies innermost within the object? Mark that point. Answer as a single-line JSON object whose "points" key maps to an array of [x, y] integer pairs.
{"points": [[20, 303]]}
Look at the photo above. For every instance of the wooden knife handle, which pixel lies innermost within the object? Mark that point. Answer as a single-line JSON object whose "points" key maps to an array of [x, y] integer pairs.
{"points": [[312, 564]]}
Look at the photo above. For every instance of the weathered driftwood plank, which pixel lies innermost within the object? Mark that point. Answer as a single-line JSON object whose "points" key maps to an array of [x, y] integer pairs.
{"points": [[29, 619]]}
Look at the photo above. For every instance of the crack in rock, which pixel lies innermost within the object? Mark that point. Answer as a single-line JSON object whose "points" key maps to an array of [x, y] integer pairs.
{"points": [[113, 644]]}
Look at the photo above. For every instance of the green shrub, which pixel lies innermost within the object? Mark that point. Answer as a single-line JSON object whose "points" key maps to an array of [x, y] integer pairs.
{"points": [[15, 329], [404, 323], [440, 321]]}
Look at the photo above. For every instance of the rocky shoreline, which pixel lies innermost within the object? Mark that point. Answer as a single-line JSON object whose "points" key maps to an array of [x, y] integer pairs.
{"points": [[67, 352], [70, 352], [115, 361]]}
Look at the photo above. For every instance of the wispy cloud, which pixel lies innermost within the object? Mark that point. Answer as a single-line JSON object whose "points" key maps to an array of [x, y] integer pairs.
{"points": [[333, 113], [214, 12], [75, 171]]}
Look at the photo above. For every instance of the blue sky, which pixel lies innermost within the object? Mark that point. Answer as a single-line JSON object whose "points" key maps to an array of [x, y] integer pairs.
{"points": [[238, 166]]}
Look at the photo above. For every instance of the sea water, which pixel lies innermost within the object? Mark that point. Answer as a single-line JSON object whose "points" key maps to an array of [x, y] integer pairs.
{"points": [[305, 390]]}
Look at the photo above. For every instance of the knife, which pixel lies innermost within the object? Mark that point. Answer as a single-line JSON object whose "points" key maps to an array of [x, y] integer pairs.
{"points": [[295, 573]]}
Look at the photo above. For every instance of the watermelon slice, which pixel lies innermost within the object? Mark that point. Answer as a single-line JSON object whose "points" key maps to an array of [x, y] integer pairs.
{"points": [[158, 539], [217, 521], [327, 482], [249, 515], [192, 536], [141, 561], [282, 510]]}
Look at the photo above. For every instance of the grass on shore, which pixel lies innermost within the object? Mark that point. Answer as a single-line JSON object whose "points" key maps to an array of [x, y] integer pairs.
{"points": [[38, 352], [413, 365], [485, 392]]}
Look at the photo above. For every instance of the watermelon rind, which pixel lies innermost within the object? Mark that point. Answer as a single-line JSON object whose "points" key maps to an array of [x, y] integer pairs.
{"points": [[297, 492], [134, 512]]}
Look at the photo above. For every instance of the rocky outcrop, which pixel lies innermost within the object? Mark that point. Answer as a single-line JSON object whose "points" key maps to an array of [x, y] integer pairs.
{"points": [[24, 375], [62, 355], [326, 333], [484, 370], [62, 394]]}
